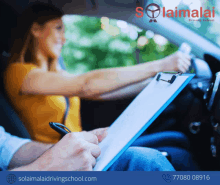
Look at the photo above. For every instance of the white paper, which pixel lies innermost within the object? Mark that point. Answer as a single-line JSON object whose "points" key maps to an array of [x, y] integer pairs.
{"points": [[136, 116]]}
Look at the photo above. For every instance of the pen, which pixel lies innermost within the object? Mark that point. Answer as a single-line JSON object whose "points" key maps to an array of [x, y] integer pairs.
{"points": [[60, 128]]}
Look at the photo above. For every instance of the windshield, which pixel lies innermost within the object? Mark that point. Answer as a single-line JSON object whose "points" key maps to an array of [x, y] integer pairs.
{"points": [[96, 43], [208, 27]]}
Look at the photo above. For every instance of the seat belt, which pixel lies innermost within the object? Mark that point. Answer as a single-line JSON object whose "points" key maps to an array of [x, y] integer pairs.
{"points": [[67, 109], [61, 63]]}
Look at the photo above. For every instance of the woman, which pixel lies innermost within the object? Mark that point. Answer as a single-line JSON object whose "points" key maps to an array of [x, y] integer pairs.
{"points": [[36, 85]]}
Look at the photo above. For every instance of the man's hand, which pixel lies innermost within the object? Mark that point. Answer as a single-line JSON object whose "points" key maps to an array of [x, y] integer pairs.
{"points": [[74, 152], [176, 62], [101, 133], [28, 153], [94, 136]]}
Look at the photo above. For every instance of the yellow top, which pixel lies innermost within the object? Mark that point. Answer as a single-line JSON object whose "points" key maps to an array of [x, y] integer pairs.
{"points": [[36, 111]]}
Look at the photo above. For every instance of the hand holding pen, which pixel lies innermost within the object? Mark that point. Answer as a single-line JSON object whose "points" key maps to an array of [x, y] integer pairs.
{"points": [[70, 145]]}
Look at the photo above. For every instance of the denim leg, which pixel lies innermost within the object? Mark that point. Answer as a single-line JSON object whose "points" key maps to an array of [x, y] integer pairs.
{"points": [[141, 159], [181, 159]]}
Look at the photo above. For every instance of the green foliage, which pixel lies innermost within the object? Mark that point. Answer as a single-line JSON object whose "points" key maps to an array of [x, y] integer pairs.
{"points": [[89, 47]]}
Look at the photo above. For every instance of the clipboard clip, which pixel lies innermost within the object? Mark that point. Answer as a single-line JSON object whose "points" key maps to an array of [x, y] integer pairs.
{"points": [[173, 78]]}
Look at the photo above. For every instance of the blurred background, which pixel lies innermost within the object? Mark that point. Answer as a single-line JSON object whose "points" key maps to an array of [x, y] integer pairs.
{"points": [[94, 43]]}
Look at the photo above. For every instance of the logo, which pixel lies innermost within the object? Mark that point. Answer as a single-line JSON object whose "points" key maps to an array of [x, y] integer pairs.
{"points": [[152, 11], [11, 178], [167, 178]]}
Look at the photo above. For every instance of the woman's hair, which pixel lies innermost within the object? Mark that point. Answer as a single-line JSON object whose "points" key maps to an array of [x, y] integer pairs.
{"points": [[22, 45]]}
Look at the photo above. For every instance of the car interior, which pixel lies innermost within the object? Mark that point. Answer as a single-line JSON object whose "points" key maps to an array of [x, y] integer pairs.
{"points": [[186, 123]]}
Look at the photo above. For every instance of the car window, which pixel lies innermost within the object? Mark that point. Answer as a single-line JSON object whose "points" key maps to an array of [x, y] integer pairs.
{"points": [[94, 43], [207, 26]]}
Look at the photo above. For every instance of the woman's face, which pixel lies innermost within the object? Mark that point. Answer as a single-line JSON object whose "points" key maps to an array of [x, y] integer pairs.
{"points": [[51, 38]]}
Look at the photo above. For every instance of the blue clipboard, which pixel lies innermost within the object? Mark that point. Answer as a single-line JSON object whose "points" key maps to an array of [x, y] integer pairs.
{"points": [[123, 132]]}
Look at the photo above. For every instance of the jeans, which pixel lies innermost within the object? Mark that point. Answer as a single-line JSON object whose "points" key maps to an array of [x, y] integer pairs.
{"points": [[141, 159], [177, 146], [181, 159]]}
